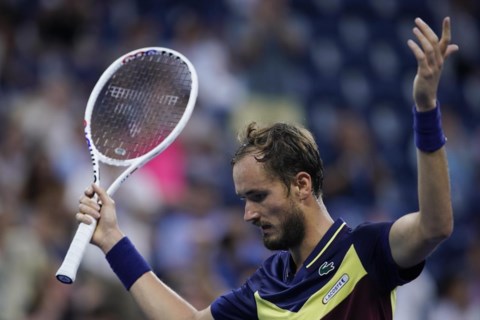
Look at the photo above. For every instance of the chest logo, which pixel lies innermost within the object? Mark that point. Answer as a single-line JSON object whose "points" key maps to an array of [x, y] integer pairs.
{"points": [[326, 268]]}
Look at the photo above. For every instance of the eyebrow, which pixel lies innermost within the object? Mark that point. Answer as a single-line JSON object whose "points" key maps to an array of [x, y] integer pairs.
{"points": [[249, 192]]}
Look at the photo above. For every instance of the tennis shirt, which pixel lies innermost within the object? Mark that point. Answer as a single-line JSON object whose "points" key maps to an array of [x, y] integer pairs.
{"points": [[349, 275]]}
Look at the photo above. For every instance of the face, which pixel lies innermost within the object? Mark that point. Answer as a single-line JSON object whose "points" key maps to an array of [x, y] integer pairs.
{"points": [[268, 205]]}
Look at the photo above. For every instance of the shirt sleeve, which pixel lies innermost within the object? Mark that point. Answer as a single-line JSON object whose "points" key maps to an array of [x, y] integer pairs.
{"points": [[238, 304], [376, 255]]}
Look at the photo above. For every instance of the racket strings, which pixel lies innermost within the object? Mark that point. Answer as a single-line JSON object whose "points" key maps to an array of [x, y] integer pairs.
{"points": [[140, 106]]}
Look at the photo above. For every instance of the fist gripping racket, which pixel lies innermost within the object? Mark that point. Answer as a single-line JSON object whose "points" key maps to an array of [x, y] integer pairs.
{"points": [[137, 108]]}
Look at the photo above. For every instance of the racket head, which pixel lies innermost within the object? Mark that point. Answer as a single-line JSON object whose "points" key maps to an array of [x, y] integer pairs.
{"points": [[139, 105]]}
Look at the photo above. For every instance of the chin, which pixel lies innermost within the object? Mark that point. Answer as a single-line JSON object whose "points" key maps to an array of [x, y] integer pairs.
{"points": [[272, 244]]}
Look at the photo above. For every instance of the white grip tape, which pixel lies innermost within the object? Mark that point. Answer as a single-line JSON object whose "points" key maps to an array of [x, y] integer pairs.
{"points": [[68, 270]]}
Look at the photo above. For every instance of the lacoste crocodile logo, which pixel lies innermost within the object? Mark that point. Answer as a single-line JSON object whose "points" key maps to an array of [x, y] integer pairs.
{"points": [[326, 268]]}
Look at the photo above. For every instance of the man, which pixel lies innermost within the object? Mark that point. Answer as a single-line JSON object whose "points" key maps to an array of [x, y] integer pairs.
{"points": [[326, 270]]}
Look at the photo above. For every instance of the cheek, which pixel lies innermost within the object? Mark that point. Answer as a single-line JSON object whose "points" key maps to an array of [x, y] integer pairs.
{"points": [[275, 209]]}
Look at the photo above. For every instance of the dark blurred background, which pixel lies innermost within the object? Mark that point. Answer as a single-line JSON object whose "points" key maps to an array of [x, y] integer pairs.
{"points": [[340, 67]]}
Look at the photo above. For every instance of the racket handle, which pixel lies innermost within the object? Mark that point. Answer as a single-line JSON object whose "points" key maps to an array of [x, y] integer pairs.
{"points": [[68, 270]]}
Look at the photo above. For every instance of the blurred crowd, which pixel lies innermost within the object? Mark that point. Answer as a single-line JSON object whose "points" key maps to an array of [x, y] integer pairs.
{"points": [[340, 67]]}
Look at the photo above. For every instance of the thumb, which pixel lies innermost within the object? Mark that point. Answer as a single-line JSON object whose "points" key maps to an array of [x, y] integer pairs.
{"points": [[102, 194]]}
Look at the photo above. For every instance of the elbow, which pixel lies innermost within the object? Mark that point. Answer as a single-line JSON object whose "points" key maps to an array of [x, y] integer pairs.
{"points": [[434, 239], [448, 229], [444, 233], [448, 224], [442, 229]]}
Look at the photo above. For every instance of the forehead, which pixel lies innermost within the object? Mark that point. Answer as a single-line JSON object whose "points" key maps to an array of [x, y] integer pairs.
{"points": [[249, 174]]}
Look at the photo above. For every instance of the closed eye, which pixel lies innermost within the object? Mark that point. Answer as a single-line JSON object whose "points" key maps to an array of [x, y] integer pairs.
{"points": [[254, 196], [257, 196]]}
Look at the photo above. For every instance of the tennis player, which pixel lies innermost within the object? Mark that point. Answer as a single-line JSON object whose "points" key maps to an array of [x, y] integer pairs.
{"points": [[323, 269]]}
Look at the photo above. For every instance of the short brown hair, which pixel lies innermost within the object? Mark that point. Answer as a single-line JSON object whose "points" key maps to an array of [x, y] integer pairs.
{"points": [[285, 150]]}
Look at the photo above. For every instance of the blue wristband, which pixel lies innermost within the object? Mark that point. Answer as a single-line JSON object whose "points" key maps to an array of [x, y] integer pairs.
{"points": [[126, 262], [427, 126]]}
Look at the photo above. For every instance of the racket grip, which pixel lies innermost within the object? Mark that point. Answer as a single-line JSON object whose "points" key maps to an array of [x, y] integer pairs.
{"points": [[68, 270]]}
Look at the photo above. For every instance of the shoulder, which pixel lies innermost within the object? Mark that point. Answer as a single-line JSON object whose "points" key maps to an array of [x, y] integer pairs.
{"points": [[240, 303], [371, 232], [371, 238], [371, 241], [272, 268], [372, 227]]}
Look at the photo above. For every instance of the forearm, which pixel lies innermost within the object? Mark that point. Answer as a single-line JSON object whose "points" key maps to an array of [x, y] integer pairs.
{"points": [[435, 209], [154, 298], [415, 236], [435, 212], [158, 301]]}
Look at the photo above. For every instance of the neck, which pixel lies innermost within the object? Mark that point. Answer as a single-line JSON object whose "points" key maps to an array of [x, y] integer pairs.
{"points": [[318, 223]]}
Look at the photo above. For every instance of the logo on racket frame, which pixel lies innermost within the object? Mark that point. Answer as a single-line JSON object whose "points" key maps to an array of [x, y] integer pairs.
{"points": [[92, 155], [140, 54]]}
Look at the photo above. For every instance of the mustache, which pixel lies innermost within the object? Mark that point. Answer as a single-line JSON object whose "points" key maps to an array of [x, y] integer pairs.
{"points": [[262, 224]]}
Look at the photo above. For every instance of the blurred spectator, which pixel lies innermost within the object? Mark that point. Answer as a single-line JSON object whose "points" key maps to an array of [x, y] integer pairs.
{"points": [[454, 301], [23, 264], [269, 46], [473, 269], [415, 300], [192, 229], [357, 179]]}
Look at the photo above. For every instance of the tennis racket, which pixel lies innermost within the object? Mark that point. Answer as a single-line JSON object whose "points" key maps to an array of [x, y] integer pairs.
{"points": [[137, 108]]}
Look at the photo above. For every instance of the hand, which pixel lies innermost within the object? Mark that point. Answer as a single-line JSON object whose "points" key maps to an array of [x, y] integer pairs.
{"points": [[107, 232], [430, 58]]}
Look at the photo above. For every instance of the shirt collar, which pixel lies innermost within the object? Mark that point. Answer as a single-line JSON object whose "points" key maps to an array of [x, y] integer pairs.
{"points": [[338, 227]]}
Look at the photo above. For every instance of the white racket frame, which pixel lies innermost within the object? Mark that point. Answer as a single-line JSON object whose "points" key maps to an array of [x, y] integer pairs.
{"points": [[68, 269]]}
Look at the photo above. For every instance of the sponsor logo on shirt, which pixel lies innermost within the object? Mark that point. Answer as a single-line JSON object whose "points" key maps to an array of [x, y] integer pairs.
{"points": [[336, 287]]}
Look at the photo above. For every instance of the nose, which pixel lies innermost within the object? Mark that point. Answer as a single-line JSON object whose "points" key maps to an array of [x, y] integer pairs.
{"points": [[251, 213]]}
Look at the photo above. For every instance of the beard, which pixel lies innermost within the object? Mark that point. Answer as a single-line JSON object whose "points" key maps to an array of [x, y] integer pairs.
{"points": [[291, 230]]}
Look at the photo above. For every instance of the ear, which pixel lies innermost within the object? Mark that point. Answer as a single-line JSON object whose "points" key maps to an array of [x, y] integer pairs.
{"points": [[303, 185]]}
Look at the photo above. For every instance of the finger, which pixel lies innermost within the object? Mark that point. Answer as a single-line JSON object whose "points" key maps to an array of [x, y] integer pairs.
{"points": [[84, 218], [89, 192], [92, 203], [451, 49], [432, 56], [431, 37], [88, 210], [426, 30], [416, 50], [418, 53], [446, 36], [422, 39], [103, 197], [445, 43]]}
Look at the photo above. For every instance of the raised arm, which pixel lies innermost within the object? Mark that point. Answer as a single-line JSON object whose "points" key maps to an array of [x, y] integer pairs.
{"points": [[414, 236], [156, 300]]}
